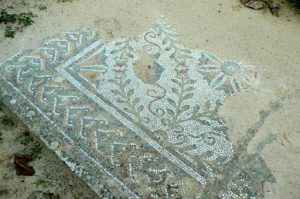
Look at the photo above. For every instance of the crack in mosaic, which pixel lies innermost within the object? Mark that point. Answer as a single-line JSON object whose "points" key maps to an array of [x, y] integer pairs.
{"points": [[144, 110]]}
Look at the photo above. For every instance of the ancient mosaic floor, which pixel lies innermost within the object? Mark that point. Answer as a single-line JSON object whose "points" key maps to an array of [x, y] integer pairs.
{"points": [[139, 115]]}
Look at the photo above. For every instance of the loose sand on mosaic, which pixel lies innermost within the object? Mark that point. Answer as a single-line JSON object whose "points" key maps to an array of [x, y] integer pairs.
{"points": [[255, 128]]}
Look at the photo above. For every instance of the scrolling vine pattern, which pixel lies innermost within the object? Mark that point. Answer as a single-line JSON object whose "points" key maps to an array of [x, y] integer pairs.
{"points": [[154, 85], [179, 106]]}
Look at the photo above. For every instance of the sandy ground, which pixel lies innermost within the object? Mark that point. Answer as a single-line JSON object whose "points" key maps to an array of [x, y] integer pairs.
{"points": [[62, 183], [223, 27]]}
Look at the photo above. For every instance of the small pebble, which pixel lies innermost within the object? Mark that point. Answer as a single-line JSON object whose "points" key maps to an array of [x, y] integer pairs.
{"points": [[13, 101]]}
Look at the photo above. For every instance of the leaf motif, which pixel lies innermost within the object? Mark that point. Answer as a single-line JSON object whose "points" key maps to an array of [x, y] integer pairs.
{"points": [[172, 56], [208, 105], [111, 81], [165, 121], [185, 108], [113, 51], [136, 100], [172, 102], [130, 92], [140, 108], [159, 32], [130, 48], [119, 100], [175, 90], [212, 57], [118, 43], [187, 51], [175, 81], [127, 110], [157, 55], [170, 111], [127, 82], [188, 96], [191, 81], [205, 123], [129, 55], [164, 41], [196, 109], [189, 89], [116, 92]]}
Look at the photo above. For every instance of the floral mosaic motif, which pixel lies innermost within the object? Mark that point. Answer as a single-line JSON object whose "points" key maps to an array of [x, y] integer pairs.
{"points": [[231, 76], [144, 111]]}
